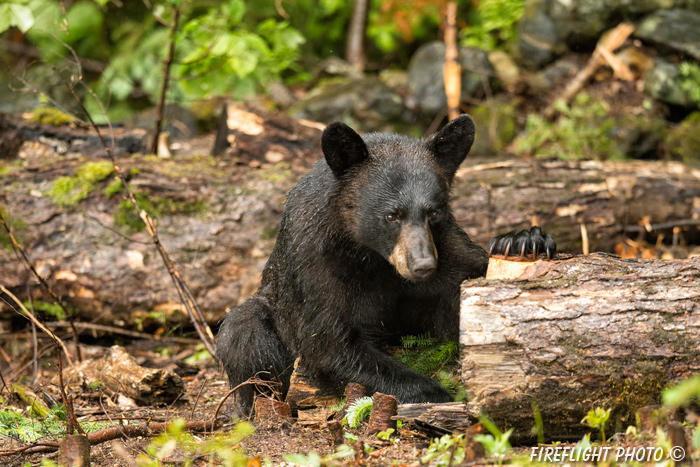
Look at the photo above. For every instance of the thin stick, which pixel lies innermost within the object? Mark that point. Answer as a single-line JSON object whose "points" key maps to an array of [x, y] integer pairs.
{"points": [[166, 81], [39, 324], [28, 263]]}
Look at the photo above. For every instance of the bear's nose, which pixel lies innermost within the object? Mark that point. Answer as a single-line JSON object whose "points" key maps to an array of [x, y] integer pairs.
{"points": [[424, 267]]}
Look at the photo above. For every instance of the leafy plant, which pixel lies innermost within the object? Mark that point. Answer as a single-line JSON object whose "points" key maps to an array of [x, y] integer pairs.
{"points": [[690, 73], [493, 24], [427, 354], [496, 443], [682, 393], [581, 132], [445, 451], [220, 449], [14, 424], [314, 460], [597, 419], [358, 411]]}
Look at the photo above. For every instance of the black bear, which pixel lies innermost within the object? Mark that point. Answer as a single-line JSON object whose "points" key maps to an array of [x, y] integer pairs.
{"points": [[367, 251]]}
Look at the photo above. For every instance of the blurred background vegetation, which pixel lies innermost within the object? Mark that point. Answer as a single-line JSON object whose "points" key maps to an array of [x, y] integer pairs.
{"points": [[516, 55]]}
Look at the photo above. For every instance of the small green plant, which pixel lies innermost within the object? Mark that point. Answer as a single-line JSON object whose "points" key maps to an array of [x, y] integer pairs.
{"points": [[445, 451], [30, 429], [682, 393], [219, 449], [69, 191], [582, 131], [386, 435], [358, 411], [493, 24], [433, 357], [597, 418], [497, 442], [200, 354], [314, 460], [690, 73]]}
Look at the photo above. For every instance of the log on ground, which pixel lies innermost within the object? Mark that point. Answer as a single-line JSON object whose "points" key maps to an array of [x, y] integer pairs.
{"points": [[590, 331]]}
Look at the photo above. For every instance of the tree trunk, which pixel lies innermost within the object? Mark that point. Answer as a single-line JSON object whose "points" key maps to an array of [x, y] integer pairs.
{"points": [[355, 53], [592, 331]]}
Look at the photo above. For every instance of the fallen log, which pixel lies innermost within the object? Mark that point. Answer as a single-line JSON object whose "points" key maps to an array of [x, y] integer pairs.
{"points": [[586, 332]]}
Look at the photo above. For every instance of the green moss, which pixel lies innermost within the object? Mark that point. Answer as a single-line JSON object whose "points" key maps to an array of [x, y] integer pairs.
{"points": [[51, 116], [69, 191], [155, 207], [113, 188]]}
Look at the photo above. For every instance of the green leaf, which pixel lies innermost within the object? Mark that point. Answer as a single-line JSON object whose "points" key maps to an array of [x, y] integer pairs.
{"points": [[13, 14]]}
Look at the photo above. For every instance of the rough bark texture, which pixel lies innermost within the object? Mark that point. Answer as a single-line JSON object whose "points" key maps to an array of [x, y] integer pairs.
{"points": [[591, 331], [218, 216], [384, 407], [74, 451], [271, 410], [441, 418]]}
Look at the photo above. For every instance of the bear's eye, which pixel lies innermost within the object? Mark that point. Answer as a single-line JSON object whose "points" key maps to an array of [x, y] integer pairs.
{"points": [[433, 215], [391, 217]]}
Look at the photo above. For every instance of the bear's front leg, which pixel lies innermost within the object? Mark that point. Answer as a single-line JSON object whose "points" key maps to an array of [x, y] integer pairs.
{"points": [[342, 356]]}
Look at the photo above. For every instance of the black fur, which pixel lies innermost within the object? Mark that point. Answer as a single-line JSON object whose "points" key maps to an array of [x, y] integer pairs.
{"points": [[332, 291]]}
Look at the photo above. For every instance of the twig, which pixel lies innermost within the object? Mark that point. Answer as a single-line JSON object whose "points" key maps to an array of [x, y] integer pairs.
{"points": [[608, 43], [71, 421], [34, 319], [28, 263], [166, 80], [244, 383], [193, 310], [199, 394], [122, 332], [451, 70]]}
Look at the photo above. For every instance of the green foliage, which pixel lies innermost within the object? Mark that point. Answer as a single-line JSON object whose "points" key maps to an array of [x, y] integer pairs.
{"points": [[597, 419], [69, 191], [16, 13], [386, 435], [691, 80], [218, 449], [16, 425], [200, 354], [496, 443], [445, 451], [581, 132], [427, 354], [15, 225], [393, 23], [314, 460], [358, 411], [682, 393], [51, 309], [493, 24]]}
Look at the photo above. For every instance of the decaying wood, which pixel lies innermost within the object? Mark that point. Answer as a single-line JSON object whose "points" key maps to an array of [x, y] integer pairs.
{"points": [[635, 198], [439, 418], [271, 410], [302, 388], [74, 451], [119, 373], [383, 409], [592, 331]]}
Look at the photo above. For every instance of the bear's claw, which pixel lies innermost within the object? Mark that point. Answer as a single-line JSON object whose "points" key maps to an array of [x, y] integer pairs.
{"points": [[523, 242]]}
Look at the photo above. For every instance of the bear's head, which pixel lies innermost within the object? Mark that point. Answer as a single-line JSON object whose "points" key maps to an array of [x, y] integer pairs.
{"points": [[394, 190]]}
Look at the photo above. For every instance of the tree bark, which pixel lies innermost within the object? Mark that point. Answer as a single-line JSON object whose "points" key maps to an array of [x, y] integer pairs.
{"points": [[355, 53], [582, 333]]}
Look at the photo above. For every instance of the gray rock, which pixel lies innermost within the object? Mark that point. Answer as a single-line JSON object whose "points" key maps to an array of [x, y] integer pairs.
{"points": [[426, 82], [578, 24], [663, 83], [366, 104], [537, 40], [676, 29]]}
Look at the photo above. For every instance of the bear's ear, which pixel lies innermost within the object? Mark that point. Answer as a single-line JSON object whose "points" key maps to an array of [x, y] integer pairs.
{"points": [[452, 144], [343, 148]]}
